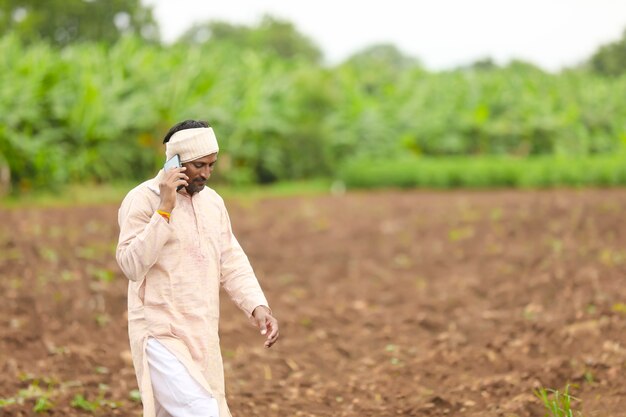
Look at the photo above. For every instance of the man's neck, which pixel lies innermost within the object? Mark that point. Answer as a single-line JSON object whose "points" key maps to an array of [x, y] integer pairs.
{"points": [[185, 192]]}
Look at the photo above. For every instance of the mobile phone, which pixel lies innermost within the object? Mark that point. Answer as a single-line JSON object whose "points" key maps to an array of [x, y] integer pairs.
{"points": [[173, 162]]}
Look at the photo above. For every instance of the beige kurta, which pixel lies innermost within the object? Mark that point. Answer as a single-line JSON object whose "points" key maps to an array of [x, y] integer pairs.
{"points": [[175, 270]]}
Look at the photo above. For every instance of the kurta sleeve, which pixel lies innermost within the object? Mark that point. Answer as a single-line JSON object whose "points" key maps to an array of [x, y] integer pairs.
{"points": [[237, 276], [143, 233]]}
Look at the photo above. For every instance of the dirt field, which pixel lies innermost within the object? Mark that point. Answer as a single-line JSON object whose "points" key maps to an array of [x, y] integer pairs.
{"points": [[390, 304]]}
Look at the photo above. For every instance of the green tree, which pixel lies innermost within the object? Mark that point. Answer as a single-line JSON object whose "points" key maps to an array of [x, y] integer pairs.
{"points": [[62, 22], [482, 64], [610, 59], [271, 34], [379, 66], [383, 55]]}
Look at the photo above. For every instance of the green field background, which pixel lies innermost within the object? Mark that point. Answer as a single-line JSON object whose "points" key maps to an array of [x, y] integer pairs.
{"points": [[95, 113]]}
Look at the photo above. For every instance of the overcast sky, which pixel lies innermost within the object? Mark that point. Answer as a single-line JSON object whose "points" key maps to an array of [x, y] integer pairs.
{"points": [[441, 33]]}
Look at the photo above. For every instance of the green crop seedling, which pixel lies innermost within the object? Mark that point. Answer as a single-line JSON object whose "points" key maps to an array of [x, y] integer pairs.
{"points": [[558, 404]]}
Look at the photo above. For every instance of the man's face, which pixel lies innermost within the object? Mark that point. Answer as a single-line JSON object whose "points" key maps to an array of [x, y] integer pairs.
{"points": [[199, 170]]}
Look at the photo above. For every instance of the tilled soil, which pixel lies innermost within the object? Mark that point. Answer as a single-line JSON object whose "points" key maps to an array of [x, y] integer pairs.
{"points": [[390, 304]]}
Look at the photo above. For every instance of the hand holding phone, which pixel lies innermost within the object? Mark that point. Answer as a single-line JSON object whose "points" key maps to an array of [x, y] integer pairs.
{"points": [[174, 179], [173, 162]]}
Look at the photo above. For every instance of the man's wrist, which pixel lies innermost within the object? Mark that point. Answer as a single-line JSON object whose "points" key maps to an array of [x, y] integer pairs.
{"points": [[166, 208], [166, 215], [264, 307]]}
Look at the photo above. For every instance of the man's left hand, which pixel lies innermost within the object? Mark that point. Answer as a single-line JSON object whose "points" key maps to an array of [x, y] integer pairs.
{"points": [[267, 324]]}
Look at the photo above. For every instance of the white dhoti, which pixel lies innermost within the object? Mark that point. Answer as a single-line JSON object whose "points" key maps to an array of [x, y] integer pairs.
{"points": [[176, 393]]}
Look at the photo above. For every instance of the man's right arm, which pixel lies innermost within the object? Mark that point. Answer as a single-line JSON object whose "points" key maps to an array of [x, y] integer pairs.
{"points": [[145, 226], [143, 234]]}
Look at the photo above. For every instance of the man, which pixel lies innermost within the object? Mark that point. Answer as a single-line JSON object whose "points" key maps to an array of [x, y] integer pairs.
{"points": [[176, 248]]}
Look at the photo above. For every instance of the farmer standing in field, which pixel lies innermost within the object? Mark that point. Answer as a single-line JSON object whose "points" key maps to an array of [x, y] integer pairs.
{"points": [[176, 248]]}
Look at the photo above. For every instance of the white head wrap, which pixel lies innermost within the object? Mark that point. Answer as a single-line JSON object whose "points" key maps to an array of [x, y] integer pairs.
{"points": [[191, 144]]}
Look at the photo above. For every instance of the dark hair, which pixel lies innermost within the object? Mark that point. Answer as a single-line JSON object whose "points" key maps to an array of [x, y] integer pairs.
{"points": [[187, 124]]}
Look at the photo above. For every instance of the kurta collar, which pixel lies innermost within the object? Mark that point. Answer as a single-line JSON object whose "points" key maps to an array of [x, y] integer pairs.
{"points": [[153, 185]]}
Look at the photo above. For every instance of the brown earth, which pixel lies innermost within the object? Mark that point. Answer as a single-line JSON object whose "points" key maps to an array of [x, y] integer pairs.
{"points": [[390, 303]]}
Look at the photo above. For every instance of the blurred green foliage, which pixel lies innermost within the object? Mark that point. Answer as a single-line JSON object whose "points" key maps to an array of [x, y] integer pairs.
{"points": [[62, 22], [271, 34], [610, 59], [97, 112], [487, 172]]}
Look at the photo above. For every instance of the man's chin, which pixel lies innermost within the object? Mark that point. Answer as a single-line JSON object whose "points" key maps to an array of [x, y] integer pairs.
{"points": [[196, 188]]}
